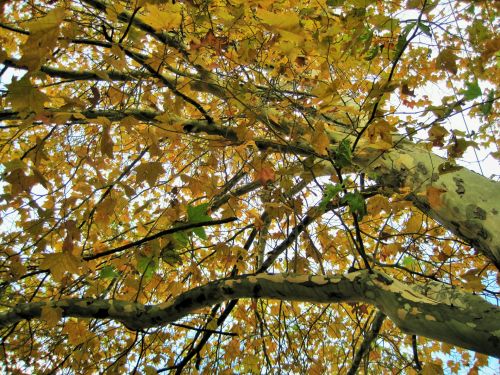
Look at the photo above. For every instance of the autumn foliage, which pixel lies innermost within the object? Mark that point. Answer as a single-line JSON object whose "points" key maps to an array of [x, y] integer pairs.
{"points": [[306, 165]]}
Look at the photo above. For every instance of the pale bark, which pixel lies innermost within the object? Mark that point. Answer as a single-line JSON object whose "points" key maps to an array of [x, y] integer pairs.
{"points": [[433, 310], [467, 204]]}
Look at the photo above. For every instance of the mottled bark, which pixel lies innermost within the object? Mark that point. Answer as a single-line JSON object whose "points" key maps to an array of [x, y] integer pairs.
{"points": [[461, 200], [433, 310]]}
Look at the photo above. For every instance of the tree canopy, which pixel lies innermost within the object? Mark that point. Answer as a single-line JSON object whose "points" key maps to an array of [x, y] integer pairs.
{"points": [[228, 186]]}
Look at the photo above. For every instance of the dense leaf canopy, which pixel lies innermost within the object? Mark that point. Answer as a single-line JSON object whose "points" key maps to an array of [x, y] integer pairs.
{"points": [[232, 186]]}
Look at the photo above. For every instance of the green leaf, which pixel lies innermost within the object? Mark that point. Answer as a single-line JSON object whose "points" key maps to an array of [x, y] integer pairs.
{"points": [[343, 155], [372, 53], [408, 262], [198, 214], [108, 272], [146, 266], [488, 105], [403, 38], [181, 239], [329, 193], [426, 29], [200, 232], [356, 203], [473, 90], [170, 256]]}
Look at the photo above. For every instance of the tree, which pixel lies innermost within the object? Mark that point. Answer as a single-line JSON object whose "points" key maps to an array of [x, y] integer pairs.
{"points": [[232, 186]]}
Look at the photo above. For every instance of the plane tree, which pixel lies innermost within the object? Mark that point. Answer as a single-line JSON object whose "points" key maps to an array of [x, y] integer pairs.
{"points": [[231, 186]]}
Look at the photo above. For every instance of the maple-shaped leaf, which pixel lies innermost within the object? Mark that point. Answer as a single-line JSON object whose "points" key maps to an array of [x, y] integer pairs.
{"points": [[198, 214], [356, 203], [24, 97], [320, 140], [20, 182], [164, 18], [446, 60], [60, 263], [285, 21], [472, 90], [77, 332], [43, 38], [149, 172]]}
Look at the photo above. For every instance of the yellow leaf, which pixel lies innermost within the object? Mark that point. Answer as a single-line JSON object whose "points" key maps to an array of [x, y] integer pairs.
{"points": [[116, 96], [251, 364], [378, 203], [24, 98], [432, 369], [20, 182], [285, 21], [212, 325], [105, 210], [77, 332], [414, 224], [164, 19], [149, 171], [474, 285], [60, 263], [51, 315], [404, 161], [43, 38], [320, 141]]}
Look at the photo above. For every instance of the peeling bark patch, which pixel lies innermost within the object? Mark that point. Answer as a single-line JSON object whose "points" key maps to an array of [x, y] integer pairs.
{"points": [[475, 212], [319, 280], [460, 190], [477, 229], [422, 169]]}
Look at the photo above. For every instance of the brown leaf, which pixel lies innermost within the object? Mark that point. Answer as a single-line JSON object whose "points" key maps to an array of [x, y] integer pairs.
{"points": [[434, 196], [446, 60]]}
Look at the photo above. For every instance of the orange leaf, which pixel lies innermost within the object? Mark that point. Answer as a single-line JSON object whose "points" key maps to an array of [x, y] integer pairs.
{"points": [[264, 174], [434, 196]]}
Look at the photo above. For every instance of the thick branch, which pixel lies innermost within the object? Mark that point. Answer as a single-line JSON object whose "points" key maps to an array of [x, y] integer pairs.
{"points": [[461, 200], [434, 310]]}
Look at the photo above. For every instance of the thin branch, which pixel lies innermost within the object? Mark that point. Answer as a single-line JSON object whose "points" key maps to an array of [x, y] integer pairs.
{"points": [[160, 234], [365, 345]]}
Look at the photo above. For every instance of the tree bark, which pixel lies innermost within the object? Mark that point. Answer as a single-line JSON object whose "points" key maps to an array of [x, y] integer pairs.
{"points": [[464, 202], [433, 310]]}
